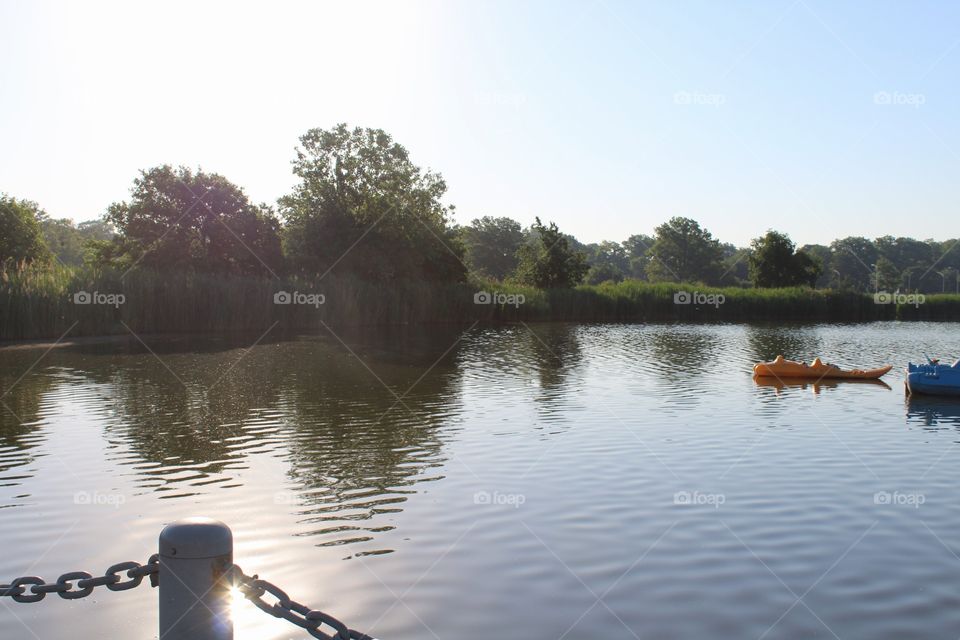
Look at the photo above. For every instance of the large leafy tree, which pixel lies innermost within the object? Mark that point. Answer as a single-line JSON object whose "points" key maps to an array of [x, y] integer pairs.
{"points": [[21, 233], [363, 207], [178, 218], [774, 262], [549, 261], [491, 246], [684, 252]]}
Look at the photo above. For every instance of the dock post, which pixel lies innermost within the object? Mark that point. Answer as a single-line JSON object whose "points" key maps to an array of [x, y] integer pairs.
{"points": [[196, 559]]}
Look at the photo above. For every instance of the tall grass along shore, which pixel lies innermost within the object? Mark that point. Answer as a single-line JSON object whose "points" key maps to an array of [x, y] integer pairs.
{"points": [[45, 303]]}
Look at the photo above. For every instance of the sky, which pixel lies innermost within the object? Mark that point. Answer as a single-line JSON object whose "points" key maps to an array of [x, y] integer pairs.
{"points": [[819, 119]]}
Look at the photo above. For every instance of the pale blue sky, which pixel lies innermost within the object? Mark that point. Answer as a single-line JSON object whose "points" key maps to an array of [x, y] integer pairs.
{"points": [[821, 119]]}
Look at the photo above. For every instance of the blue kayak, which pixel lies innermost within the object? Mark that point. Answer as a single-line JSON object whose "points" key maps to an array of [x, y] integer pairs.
{"points": [[934, 379]]}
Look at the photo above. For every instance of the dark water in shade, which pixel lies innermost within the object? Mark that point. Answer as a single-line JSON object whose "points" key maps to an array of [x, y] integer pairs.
{"points": [[542, 481]]}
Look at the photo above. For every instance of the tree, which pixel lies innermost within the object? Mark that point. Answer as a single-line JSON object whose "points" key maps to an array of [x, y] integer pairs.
{"points": [[774, 262], [21, 235], [736, 266], [603, 273], [853, 261], [822, 256], [363, 207], [549, 262], [684, 252], [491, 246], [177, 218], [637, 247], [887, 276], [607, 261]]}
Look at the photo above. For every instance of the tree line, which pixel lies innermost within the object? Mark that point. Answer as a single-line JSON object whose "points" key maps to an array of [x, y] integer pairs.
{"points": [[362, 207]]}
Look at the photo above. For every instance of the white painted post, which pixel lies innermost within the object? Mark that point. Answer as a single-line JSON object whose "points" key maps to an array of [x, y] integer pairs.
{"points": [[196, 555]]}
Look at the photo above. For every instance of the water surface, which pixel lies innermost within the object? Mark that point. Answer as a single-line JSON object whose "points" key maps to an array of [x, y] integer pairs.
{"points": [[538, 481]]}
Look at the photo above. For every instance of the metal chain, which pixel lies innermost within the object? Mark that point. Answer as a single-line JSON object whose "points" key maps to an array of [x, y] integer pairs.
{"points": [[253, 589], [80, 584]]}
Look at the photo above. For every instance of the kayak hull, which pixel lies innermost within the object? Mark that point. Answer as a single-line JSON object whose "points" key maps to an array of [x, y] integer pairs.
{"points": [[783, 368]]}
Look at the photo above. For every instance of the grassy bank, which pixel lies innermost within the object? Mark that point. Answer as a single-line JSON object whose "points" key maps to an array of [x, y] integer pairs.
{"points": [[40, 304]]}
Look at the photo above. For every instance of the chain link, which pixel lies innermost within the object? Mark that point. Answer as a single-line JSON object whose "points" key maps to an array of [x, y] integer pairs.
{"points": [[311, 620], [80, 584]]}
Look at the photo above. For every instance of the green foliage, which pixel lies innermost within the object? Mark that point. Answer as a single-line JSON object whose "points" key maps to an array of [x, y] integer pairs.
{"points": [[549, 262], [775, 263], [180, 219], [363, 208], [684, 252], [638, 247], [21, 235], [491, 246], [72, 244], [853, 261]]}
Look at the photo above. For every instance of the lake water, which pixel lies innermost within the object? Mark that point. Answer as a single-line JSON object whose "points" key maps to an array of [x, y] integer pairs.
{"points": [[528, 481]]}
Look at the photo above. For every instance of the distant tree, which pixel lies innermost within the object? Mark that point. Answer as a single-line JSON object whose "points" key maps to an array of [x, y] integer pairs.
{"points": [[822, 256], [363, 207], [853, 260], [638, 247], [607, 260], [736, 266], [549, 262], [21, 233], [887, 276], [684, 252], [904, 253], [63, 239], [178, 218], [491, 246], [603, 272], [774, 262]]}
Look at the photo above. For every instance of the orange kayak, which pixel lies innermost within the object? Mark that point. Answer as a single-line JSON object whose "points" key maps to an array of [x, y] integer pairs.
{"points": [[783, 368]]}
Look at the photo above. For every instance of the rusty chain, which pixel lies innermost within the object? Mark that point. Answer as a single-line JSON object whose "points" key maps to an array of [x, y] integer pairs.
{"points": [[80, 584], [311, 620]]}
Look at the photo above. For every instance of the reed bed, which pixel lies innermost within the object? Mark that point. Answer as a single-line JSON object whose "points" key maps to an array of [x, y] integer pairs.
{"points": [[42, 303]]}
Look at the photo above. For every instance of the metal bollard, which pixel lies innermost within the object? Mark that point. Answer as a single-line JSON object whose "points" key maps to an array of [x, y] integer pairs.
{"points": [[196, 556]]}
